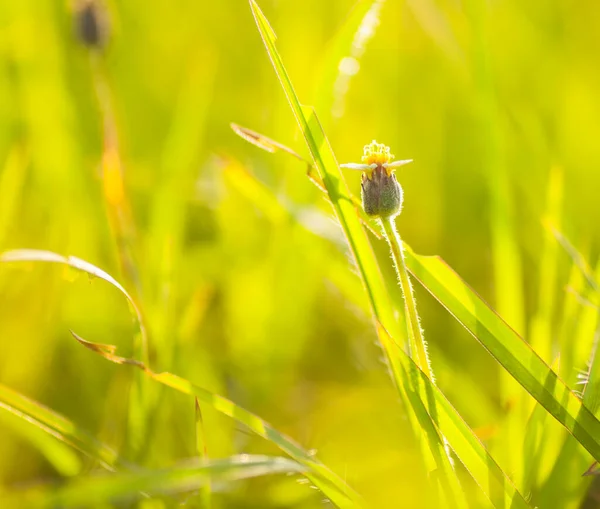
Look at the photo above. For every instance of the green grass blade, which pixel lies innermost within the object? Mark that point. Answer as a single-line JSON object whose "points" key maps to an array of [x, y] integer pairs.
{"points": [[202, 450], [12, 179], [171, 481], [340, 197], [330, 484], [342, 59], [509, 298], [577, 257], [169, 206], [508, 348], [474, 456], [35, 255], [262, 197], [333, 179], [139, 394], [348, 216], [62, 456], [59, 427], [542, 338], [578, 327], [464, 442], [271, 146]]}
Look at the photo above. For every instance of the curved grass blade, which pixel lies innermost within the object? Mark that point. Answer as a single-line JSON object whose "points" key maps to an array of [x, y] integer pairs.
{"points": [[35, 255], [65, 460], [332, 486], [272, 146], [329, 483], [264, 142], [508, 348], [127, 486], [140, 395], [374, 285], [59, 427]]}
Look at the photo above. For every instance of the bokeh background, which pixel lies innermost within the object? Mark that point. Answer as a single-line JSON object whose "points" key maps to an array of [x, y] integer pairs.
{"points": [[123, 155]]}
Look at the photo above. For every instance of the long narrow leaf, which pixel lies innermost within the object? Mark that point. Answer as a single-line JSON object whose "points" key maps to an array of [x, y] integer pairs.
{"points": [[348, 216], [330, 484], [59, 427], [508, 348], [340, 197], [486, 472], [127, 486], [35, 255], [463, 441]]}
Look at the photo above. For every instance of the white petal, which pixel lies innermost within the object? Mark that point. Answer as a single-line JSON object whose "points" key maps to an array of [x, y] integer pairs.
{"points": [[359, 167], [396, 164]]}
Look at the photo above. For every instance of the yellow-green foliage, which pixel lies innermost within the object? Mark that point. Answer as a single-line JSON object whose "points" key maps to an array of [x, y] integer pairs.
{"points": [[132, 215]]}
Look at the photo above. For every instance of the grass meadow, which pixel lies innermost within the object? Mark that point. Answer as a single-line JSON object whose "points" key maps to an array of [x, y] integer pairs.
{"points": [[196, 310]]}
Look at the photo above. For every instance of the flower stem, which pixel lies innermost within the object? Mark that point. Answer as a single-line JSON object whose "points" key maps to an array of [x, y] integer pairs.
{"points": [[416, 340]]}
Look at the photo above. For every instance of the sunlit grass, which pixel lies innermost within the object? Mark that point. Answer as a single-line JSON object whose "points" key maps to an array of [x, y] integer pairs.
{"points": [[243, 315]]}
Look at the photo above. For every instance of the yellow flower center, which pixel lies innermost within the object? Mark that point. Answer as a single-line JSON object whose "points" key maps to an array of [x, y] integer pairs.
{"points": [[377, 153]]}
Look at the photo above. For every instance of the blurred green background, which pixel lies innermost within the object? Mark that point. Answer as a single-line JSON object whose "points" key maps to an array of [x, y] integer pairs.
{"points": [[498, 104]]}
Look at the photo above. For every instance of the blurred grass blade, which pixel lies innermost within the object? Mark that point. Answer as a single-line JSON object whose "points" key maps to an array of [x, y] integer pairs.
{"points": [[542, 338], [59, 427], [35, 255], [507, 347], [12, 179], [578, 326], [342, 59], [139, 394], [177, 174], [330, 484], [124, 487], [577, 258], [125, 234], [264, 142], [434, 21], [509, 296], [262, 197], [537, 432], [491, 479], [202, 450], [272, 146], [63, 457], [591, 390]]}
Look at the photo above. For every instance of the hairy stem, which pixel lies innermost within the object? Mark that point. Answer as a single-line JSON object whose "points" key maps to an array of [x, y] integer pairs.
{"points": [[416, 340]]}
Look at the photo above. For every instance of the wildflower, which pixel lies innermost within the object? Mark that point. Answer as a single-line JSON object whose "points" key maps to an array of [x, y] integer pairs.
{"points": [[381, 193]]}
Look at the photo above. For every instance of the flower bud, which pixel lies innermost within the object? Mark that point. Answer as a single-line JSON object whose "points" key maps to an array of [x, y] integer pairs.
{"points": [[381, 193]]}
